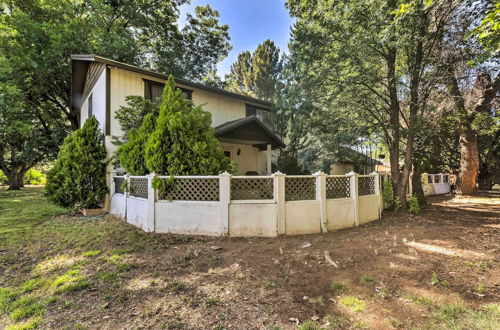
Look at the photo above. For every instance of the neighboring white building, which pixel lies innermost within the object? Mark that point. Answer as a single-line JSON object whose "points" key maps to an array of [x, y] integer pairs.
{"points": [[99, 87]]}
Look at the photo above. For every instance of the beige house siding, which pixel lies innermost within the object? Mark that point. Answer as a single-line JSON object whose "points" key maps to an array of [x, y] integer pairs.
{"points": [[222, 108], [124, 83]]}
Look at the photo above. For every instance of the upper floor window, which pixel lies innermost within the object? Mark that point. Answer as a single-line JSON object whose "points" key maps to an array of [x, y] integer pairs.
{"points": [[153, 91], [262, 114]]}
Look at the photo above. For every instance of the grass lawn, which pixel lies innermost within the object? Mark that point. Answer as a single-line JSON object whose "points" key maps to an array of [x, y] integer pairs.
{"points": [[437, 270]]}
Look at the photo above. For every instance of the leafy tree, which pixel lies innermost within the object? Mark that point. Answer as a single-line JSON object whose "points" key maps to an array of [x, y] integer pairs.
{"points": [[183, 142], [37, 38], [471, 84], [239, 79], [132, 115], [25, 139], [257, 74], [369, 62], [78, 178]]}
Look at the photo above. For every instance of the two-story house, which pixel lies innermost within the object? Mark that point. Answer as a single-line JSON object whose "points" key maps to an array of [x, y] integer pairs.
{"points": [[99, 87]]}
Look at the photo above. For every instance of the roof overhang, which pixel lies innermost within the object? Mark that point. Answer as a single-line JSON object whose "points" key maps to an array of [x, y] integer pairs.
{"points": [[81, 62], [249, 130]]}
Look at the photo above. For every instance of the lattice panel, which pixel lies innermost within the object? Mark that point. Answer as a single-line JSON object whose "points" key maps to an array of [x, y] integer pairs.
{"points": [[446, 178], [437, 178], [429, 179], [252, 188], [300, 188], [337, 187], [119, 185], [138, 187], [190, 189], [366, 185]]}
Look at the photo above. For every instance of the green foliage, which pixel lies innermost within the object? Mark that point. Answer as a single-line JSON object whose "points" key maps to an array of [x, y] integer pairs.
{"points": [[183, 142], [3, 178], [310, 325], [132, 115], [34, 177], [37, 38], [488, 31], [339, 287], [78, 176], [131, 154], [352, 303], [397, 203], [414, 205], [388, 194], [256, 74]]}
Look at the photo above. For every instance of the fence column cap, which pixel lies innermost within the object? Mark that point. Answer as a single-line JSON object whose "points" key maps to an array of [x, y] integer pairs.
{"points": [[278, 173], [225, 173], [351, 173], [319, 173]]}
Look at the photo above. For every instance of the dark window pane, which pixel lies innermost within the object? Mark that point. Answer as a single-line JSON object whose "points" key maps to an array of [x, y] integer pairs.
{"points": [[156, 91]]}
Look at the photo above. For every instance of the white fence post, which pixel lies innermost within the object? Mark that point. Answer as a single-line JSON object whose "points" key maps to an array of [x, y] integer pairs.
{"points": [[126, 192], [279, 196], [150, 222], [377, 193], [112, 185], [354, 194], [225, 199], [321, 198]]}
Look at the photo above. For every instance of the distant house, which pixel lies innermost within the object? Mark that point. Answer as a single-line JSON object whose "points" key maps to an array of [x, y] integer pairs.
{"points": [[100, 85], [352, 160]]}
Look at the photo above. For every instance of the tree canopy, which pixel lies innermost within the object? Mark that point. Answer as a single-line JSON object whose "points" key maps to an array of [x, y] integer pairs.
{"points": [[37, 38]]}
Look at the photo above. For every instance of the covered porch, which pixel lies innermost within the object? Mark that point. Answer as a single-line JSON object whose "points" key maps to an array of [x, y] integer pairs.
{"points": [[250, 144]]}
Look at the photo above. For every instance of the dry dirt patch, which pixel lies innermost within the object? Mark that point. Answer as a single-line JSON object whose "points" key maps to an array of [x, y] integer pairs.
{"points": [[436, 269]]}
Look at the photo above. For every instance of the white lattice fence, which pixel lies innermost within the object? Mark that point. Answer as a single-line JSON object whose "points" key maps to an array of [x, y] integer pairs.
{"points": [[338, 187], [138, 187], [201, 189], [300, 188], [366, 185], [252, 188]]}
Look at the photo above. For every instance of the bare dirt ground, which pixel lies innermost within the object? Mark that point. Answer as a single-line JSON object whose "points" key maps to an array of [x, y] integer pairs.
{"points": [[438, 269]]}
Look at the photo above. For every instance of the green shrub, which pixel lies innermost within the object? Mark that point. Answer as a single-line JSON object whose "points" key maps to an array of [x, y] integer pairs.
{"points": [[34, 177], [78, 176], [183, 142], [132, 115], [131, 153], [413, 205], [3, 179], [397, 203], [388, 194]]}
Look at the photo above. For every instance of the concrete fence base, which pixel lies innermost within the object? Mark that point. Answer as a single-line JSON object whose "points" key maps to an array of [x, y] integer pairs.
{"points": [[293, 210]]}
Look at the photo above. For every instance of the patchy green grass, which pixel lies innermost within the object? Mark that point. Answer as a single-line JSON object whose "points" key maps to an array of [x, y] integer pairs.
{"points": [[310, 325], [177, 287], [91, 253], [366, 280], [339, 287], [70, 281], [352, 303]]}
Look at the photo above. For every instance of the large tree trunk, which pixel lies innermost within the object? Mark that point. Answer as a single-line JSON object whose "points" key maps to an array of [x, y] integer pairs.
{"points": [[14, 171], [469, 163], [15, 180], [416, 182]]}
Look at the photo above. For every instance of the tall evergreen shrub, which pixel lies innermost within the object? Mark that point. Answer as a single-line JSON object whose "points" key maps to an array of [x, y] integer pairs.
{"points": [[78, 178], [183, 142], [131, 153]]}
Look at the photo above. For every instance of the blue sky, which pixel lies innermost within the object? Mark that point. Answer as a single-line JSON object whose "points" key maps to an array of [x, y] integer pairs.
{"points": [[250, 23]]}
